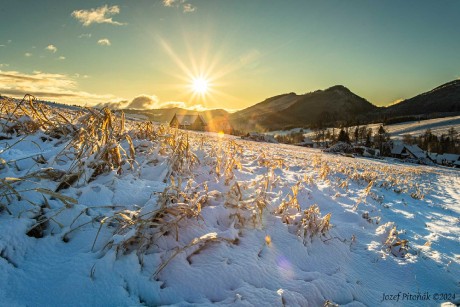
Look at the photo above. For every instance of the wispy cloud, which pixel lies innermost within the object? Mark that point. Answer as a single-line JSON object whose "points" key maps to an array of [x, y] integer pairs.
{"points": [[85, 35], [104, 42], [77, 75], [168, 2], [48, 86], [250, 57], [28, 54], [51, 48], [98, 15], [61, 58], [4, 65], [149, 102], [141, 102], [144, 102], [182, 105], [186, 7]]}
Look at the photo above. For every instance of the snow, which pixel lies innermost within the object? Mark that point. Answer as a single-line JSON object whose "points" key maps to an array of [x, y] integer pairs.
{"points": [[229, 255], [290, 131], [438, 126]]}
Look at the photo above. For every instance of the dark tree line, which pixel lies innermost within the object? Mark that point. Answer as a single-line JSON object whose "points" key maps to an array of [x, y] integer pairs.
{"points": [[445, 143], [291, 138], [376, 138]]}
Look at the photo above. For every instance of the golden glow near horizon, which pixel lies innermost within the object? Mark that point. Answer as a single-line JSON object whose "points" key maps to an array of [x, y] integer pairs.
{"points": [[94, 53], [202, 77]]}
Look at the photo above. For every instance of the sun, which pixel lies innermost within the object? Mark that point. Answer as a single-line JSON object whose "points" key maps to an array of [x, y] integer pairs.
{"points": [[200, 85]]}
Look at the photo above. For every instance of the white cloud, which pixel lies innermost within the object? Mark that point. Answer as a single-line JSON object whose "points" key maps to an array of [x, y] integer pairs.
{"points": [[4, 65], [61, 58], [99, 15], [51, 48], [113, 105], [2, 45], [180, 104], [173, 104], [144, 102], [28, 54], [77, 75], [168, 2], [104, 42], [188, 8], [54, 87], [85, 35], [148, 102]]}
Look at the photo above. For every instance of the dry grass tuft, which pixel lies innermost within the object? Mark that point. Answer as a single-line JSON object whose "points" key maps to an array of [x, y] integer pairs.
{"points": [[395, 245], [199, 243]]}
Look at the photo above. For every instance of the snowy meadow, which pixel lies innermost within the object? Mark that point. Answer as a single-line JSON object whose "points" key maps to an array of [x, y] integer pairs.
{"points": [[99, 210]]}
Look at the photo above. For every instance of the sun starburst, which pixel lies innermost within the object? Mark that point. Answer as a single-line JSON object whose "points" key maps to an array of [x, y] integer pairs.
{"points": [[200, 85]]}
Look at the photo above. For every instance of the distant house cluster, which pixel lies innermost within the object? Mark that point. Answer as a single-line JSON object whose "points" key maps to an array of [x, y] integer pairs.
{"points": [[259, 137], [398, 149], [413, 153], [188, 122], [404, 151], [446, 159]]}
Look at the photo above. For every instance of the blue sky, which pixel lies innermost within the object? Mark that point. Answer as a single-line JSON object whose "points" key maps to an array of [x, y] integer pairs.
{"points": [[89, 52]]}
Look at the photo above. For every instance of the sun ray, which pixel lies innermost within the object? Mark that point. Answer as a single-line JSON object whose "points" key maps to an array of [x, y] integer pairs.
{"points": [[203, 73]]}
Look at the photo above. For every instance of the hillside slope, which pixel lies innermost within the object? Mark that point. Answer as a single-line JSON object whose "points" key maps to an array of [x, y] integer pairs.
{"points": [[323, 106], [442, 99]]}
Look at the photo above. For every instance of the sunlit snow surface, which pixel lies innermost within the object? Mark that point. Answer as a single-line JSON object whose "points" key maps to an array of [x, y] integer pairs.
{"points": [[349, 266], [438, 126]]}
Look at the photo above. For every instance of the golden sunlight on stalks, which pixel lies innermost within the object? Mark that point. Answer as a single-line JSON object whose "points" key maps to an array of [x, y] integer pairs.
{"points": [[311, 224], [29, 115], [247, 180], [176, 207], [396, 246]]}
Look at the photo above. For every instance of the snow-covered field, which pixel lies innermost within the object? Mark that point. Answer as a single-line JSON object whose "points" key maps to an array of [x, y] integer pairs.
{"points": [[438, 126], [146, 215]]}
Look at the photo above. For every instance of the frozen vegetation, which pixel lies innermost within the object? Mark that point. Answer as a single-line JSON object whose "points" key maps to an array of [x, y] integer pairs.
{"points": [[96, 210]]}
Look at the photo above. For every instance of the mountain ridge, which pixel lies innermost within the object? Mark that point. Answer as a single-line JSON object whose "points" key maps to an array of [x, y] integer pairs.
{"points": [[318, 107], [336, 105], [442, 99]]}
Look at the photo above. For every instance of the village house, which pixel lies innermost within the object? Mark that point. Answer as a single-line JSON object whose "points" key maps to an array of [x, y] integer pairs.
{"points": [[457, 163], [410, 152], [188, 122], [448, 159]]}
